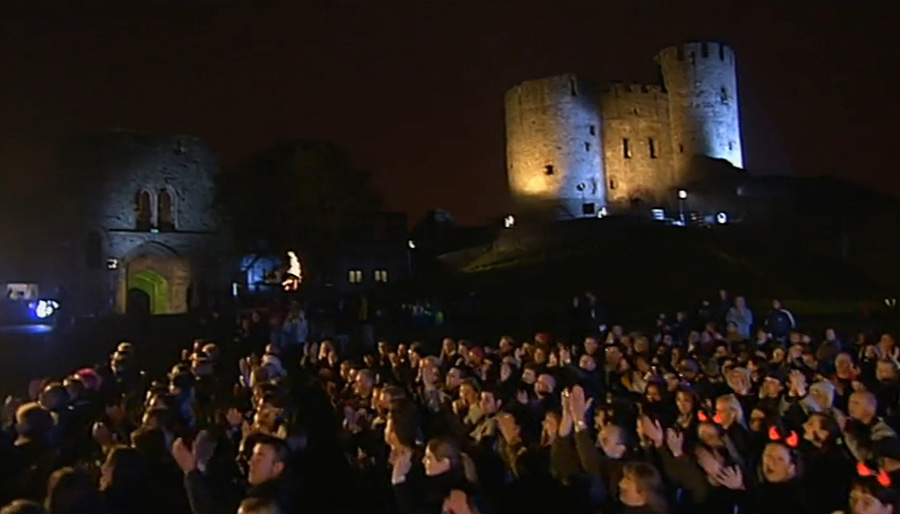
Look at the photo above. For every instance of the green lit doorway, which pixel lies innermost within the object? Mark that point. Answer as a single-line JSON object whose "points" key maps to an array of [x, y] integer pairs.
{"points": [[154, 286]]}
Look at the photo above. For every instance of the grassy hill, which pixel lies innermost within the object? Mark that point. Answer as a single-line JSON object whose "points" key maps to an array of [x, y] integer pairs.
{"points": [[639, 269]]}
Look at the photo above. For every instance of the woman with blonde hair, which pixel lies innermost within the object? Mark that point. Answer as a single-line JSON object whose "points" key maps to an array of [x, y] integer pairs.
{"points": [[730, 416]]}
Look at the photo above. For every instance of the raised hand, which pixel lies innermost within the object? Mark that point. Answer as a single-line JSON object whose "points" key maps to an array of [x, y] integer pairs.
{"points": [[675, 442], [183, 456], [577, 403], [708, 462], [401, 463], [652, 430], [730, 477]]}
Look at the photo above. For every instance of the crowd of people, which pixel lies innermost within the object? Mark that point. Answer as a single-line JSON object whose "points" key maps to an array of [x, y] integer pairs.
{"points": [[714, 411]]}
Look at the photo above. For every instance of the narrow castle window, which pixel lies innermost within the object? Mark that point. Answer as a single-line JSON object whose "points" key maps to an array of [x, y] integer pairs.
{"points": [[626, 149], [636, 112], [142, 210], [652, 145], [354, 276], [723, 95], [680, 148], [572, 87], [548, 169], [693, 58], [165, 219], [612, 183], [381, 276], [731, 146], [587, 146], [593, 130]]}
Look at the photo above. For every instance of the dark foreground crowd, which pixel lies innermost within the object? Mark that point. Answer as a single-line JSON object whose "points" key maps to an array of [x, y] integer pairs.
{"points": [[716, 412]]}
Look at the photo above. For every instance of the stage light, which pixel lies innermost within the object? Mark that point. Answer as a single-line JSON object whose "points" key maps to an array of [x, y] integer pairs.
{"points": [[43, 309]]}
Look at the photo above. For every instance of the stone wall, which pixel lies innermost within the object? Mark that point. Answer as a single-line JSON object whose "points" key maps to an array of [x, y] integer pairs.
{"points": [[181, 243], [553, 143], [636, 143], [701, 82]]}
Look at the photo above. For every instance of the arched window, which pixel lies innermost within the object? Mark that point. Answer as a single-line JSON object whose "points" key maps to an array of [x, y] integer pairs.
{"points": [[143, 211], [165, 218]]}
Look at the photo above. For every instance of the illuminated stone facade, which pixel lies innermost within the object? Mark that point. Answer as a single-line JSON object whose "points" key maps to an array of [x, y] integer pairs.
{"points": [[569, 144], [151, 231], [553, 144]]}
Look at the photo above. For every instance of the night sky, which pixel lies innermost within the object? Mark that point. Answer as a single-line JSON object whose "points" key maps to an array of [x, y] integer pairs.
{"points": [[414, 90]]}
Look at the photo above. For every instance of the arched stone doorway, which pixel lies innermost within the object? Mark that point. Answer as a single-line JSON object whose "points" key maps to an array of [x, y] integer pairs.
{"points": [[155, 280], [154, 287]]}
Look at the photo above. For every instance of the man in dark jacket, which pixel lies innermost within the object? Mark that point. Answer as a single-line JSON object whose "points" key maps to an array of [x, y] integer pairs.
{"points": [[267, 476], [780, 321]]}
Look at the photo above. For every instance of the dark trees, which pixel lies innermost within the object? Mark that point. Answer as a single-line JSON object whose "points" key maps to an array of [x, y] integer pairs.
{"points": [[306, 196]]}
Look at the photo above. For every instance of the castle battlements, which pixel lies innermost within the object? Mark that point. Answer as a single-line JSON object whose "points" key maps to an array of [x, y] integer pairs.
{"points": [[580, 146]]}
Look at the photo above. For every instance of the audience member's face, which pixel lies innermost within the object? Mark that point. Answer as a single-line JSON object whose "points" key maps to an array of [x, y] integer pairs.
{"points": [[771, 387], [540, 356], [757, 420], [489, 403], [364, 384], [860, 407], [862, 502], [346, 370], [264, 465], [587, 363], [653, 393], [610, 438], [813, 431], [529, 376], [454, 378], [433, 465], [843, 364], [591, 345], [429, 372], [727, 414], [468, 394], [684, 402], [549, 427], [545, 385], [629, 493], [449, 346], [776, 463], [390, 437], [641, 345], [885, 371]]}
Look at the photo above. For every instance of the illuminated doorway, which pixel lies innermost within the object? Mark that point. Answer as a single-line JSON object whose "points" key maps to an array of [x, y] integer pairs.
{"points": [[153, 279], [148, 292]]}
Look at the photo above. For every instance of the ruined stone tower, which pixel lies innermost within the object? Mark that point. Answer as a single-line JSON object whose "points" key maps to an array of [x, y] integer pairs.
{"points": [[701, 83], [553, 146], [571, 146]]}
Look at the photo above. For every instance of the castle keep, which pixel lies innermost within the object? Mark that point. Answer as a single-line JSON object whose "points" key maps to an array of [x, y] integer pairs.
{"points": [[578, 148]]}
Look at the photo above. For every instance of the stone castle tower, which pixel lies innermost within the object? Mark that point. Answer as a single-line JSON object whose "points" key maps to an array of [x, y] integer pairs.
{"points": [[579, 148], [553, 145]]}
